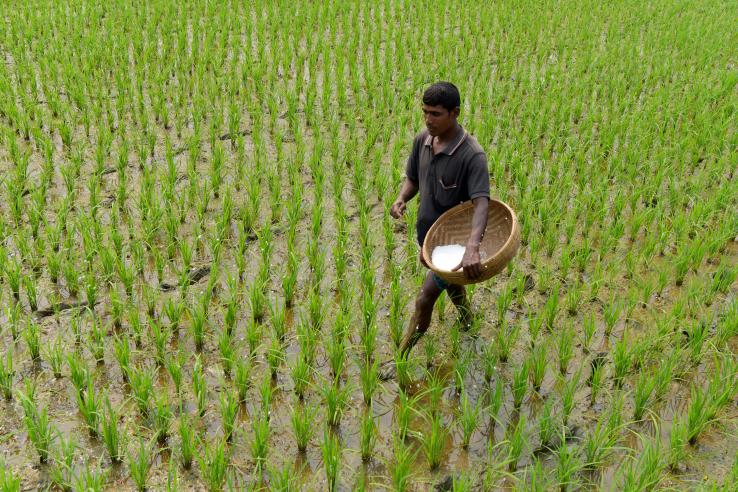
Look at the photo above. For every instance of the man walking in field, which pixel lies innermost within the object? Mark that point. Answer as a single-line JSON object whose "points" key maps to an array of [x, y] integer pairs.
{"points": [[446, 167]]}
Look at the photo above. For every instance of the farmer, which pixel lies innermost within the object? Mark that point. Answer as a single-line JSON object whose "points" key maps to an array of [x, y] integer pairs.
{"points": [[446, 167]]}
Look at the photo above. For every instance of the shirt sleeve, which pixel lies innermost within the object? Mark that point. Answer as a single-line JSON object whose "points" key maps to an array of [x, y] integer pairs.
{"points": [[411, 169], [478, 180]]}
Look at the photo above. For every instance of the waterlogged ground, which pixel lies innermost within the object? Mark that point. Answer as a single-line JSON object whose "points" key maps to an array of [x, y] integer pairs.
{"points": [[609, 130]]}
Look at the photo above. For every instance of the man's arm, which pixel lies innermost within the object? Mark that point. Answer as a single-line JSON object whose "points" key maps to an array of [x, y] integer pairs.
{"points": [[471, 263], [407, 192]]}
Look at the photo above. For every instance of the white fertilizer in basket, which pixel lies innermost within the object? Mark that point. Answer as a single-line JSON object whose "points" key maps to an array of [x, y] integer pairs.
{"points": [[447, 257]]}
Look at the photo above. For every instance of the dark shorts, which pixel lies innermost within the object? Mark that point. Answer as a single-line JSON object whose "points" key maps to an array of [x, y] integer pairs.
{"points": [[440, 283]]}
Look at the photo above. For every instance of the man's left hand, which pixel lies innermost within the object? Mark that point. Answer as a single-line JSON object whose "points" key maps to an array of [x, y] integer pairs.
{"points": [[471, 263]]}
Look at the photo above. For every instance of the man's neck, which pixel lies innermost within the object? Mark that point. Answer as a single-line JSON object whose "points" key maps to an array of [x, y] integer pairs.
{"points": [[449, 134]]}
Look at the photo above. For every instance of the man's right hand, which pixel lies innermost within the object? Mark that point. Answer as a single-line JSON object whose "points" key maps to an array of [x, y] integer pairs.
{"points": [[398, 208]]}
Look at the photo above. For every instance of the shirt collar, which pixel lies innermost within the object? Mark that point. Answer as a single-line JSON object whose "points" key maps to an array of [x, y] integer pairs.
{"points": [[453, 145]]}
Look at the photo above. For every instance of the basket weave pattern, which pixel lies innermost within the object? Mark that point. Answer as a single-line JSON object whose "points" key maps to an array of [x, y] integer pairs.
{"points": [[499, 245]]}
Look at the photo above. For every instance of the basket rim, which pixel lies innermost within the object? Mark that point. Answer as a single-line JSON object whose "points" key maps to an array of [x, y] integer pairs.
{"points": [[453, 211]]}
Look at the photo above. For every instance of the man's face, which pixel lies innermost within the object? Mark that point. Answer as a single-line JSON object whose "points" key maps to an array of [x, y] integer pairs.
{"points": [[439, 119]]}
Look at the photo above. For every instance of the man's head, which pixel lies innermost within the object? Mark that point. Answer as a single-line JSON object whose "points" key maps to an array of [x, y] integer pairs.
{"points": [[441, 107]]}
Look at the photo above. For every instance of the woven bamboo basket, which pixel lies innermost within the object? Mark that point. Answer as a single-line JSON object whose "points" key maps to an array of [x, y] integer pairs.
{"points": [[499, 245]]}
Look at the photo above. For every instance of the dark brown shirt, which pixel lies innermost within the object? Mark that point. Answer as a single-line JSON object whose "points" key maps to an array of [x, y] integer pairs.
{"points": [[456, 174]]}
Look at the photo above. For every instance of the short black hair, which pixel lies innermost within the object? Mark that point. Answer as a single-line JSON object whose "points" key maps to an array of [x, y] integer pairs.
{"points": [[443, 94]]}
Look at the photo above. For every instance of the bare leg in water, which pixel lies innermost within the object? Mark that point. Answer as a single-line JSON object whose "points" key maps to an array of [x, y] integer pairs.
{"points": [[427, 297], [420, 321]]}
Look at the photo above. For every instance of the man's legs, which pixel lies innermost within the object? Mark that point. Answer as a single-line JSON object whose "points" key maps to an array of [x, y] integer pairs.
{"points": [[457, 293], [421, 318]]}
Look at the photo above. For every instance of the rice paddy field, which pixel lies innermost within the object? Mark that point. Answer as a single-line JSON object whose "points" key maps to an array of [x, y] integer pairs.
{"points": [[199, 274]]}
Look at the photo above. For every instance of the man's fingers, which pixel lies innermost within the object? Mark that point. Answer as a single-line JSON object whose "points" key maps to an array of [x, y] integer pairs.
{"points": [[457, 267]]}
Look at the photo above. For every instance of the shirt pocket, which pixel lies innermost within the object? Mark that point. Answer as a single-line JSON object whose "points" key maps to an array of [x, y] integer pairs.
{"points": [[447, 189]]}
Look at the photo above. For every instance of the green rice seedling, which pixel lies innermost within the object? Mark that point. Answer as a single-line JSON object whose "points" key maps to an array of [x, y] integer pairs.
{"points": [[257, 300], [122, 352], [404, 412], [596, 379], [91, 479], [697, 334], [565, 348], [91, 289], [198, 315], [461, 368], [402, 367], [116, 308], [568, 465], [574, 299], [78, 371], [621, 361], [401, 468], [36, 422], [253, 335], [29, 282], [135, 326], [229, 406], [161, 418], [496, 399], [289, 279], [139, 464], [505, 340], [186, 441], [275, 355], [174, 364], [430, 349], [520, 385], [516, 443], [228, 351], [489, 361], [174, 310], [536, 364], [300, 374], [331, 450], [14, 277], [302, 419], [455, 336], [260, 440], [503, 303], [110, 432], [8, 481], [547, 426], [367, 435], [96, 339], [611, 314], [7, 374], [368, 378], [468, 418], [242, 377], [91, 409], [336, 400], [535, 323], [723, 278], [567, 396], [278, 319], [433, 440], [282, 480], [266, 392], [199, 386], [141, 381], [588, 330], [645, 472], [13, 313], [32, 337], [550, 308], [336, 353], [150, 296], [397, 306], [678, 439], [61, 472]]}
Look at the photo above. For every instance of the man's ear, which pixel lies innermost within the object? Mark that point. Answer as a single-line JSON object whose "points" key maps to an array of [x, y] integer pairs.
{"points": [[456, 112]]}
